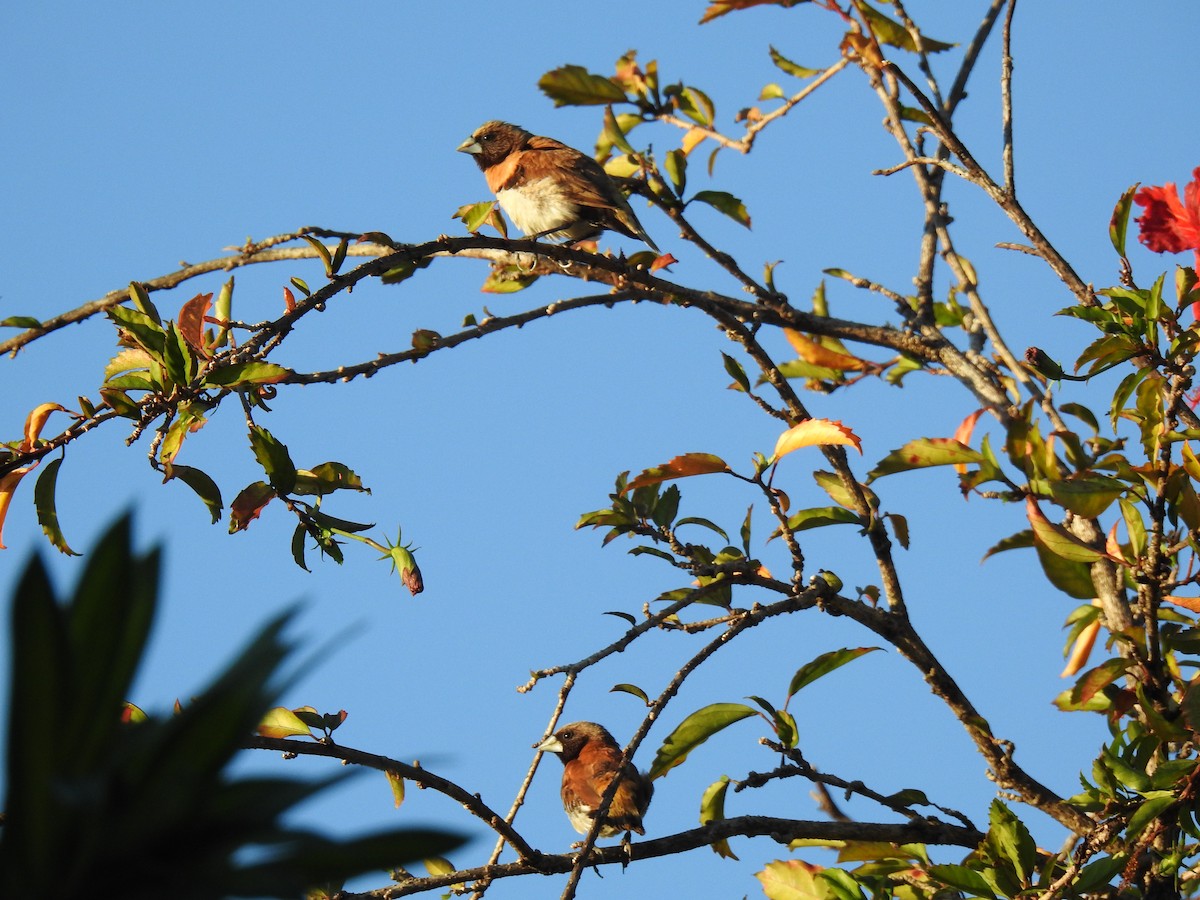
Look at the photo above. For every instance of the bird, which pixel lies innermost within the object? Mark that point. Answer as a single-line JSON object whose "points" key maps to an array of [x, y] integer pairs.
{"points": [[549, 189], [591, 760]]}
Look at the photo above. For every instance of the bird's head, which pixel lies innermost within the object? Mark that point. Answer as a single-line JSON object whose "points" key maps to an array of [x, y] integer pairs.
{"points": [[569, 740], [492, 141]]}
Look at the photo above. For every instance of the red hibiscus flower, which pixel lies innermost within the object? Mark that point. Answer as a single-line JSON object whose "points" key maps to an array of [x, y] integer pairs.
{"points": [[1168, 225]]}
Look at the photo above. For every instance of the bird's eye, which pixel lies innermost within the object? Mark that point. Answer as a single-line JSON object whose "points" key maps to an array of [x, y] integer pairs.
{"points": [[567, 735], [486, 137]]}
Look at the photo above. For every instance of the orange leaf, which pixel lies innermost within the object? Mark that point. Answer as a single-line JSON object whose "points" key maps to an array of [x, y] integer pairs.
{"points": [[718, 8], [191, 322], [963, 433], [1081, 649], [34, 422], [1192, 603], [1111, 546], [8, 485], [679, 467], [819, 355], [289, 300], [662, 262], [813, 432]]}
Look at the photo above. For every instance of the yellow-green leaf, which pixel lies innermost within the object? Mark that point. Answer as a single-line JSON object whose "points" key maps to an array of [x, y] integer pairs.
{"points": [[397, 784], [281, 722], [712, 809], [694, 731], [925, 452], [576, 86]]}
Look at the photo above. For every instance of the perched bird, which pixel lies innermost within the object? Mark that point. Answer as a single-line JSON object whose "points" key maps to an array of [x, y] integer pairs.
{"points": [[549, 189], [591, 760]]}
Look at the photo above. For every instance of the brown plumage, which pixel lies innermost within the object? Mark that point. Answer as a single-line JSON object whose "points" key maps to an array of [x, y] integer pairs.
{"points": [[549, 189], [591, 760]]}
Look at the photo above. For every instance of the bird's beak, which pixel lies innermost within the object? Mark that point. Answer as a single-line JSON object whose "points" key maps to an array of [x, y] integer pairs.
{"points": [[470, 145], [550, 744]]}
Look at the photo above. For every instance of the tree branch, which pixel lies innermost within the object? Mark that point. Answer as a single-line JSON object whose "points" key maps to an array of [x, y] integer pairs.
{"points": [[782, 831]]}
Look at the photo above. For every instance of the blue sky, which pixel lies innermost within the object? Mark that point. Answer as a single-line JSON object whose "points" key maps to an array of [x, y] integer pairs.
{"points": [[140, 135]]}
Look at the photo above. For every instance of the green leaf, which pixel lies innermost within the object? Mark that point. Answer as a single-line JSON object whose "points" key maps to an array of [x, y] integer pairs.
{"points": [[47, 513], [823, 665], [791, 68], [322, 251], [575, 86], [923, 453], [329, 522], [839, 493], [141, 302], [21, 322], [1056, 539], [614, 135], [206, 489], [274, 458], [1072, 578], [1118, 226], [961, 878], [144, 330], [247, 373], [666, 507], [676, 166], [404, 270], [1086, 495], [819, 517], [692, 102], [726, 203], [1011, 841], [1132, 777], [712, 809], [475, 215], [705, 523], [327, 478], [121, 403], [507, 280], [298, 541], [1156, 803], [625, 688], [694, 731], [736, 372], [895, 34]]}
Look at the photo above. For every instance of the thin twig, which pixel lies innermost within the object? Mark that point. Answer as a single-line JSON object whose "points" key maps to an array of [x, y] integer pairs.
{"points": [[1006, 71]]}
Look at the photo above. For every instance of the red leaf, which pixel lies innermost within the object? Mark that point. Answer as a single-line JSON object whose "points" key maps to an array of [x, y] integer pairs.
{"points": [[191, 322], [247, 506]]}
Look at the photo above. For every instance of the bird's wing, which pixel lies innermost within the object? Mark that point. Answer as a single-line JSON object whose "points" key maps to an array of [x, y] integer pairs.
{"points": [[589, 780], [582, 179]]}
